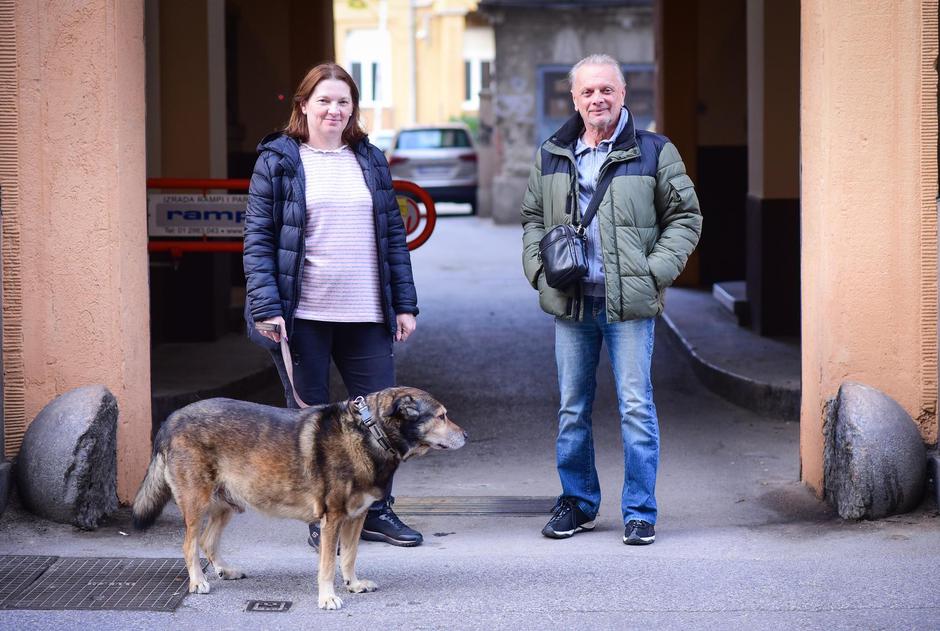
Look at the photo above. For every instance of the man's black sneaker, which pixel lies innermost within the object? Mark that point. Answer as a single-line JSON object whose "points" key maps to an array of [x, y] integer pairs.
{"points": [[639, 533], [384, 525], [566, 520]]}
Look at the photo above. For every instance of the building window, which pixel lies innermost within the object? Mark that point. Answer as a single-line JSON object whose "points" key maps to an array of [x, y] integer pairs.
{"points": [[376, 83], [479, 49], [355, 69], [367, 58], [467, 81], [476, 76], [485, 74]]}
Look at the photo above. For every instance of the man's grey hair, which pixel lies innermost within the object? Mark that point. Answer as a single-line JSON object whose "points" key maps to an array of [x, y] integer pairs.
{"points": [[596, 60]]}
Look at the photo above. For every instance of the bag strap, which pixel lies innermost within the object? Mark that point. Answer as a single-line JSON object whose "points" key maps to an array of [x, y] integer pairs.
{"points": [[597, 197]]}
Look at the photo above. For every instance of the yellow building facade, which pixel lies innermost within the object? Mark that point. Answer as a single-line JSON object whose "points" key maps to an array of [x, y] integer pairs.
{"points": [[415, 61]]}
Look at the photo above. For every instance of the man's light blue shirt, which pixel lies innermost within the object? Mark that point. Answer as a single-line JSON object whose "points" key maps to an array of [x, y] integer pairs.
{"points": [[589, 161]]}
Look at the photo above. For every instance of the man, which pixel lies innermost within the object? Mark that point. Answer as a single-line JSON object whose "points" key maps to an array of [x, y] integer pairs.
{"points": [[646, 225]]}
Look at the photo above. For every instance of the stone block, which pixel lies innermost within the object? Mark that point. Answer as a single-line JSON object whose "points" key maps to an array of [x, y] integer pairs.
{"points": [[875, 459], [508, 192], [67, 467]]}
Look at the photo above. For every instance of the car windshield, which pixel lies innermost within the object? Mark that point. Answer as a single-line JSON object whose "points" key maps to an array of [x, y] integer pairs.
{"points": [[432, 139], [382, 142]]}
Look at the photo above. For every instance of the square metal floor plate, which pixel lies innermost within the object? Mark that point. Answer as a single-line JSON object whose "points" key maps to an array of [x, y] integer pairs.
{"points": [[274, 606], [104, 583]]}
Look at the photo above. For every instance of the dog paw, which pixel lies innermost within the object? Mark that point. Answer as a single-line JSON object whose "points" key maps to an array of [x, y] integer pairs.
{"points": [[331, 602], [360, 586], [230, 573], [200, 587]]}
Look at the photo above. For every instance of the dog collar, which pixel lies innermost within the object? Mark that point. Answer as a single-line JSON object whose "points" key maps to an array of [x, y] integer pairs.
{"points": [[365, 418]]}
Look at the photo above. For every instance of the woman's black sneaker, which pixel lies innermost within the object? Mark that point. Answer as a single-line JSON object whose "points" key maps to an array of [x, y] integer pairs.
{"points": [[567, 519], [384, 525], [639, 533], [314, 539]]}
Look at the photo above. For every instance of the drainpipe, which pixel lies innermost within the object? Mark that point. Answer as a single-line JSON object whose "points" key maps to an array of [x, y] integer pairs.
{"points": [[413, 63], [383, 33]]}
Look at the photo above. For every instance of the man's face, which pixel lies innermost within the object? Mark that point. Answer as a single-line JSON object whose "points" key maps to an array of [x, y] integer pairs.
{"points": [[598, 95]]}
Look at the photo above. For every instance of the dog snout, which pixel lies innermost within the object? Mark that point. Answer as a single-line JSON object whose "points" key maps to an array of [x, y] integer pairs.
{"points": [[458, 436]]}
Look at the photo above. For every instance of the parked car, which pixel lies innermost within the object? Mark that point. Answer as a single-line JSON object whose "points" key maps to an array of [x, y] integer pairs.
{"points": [[439, 158], [382, 138]]}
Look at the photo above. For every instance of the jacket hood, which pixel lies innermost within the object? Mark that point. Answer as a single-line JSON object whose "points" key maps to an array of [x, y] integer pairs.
{"points": [[279, 142], [286, 147], [568, 134]]}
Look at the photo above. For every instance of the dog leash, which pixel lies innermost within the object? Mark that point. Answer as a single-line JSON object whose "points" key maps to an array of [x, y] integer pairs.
{"points": [[365, 414], [289, 366], [271, 327]]}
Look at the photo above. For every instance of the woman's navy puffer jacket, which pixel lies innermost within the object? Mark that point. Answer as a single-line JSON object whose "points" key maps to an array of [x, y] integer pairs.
{"points": [[274, 233]]}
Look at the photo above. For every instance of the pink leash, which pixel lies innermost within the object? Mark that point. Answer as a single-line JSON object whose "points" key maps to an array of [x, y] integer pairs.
{"points": [[285, 355]]}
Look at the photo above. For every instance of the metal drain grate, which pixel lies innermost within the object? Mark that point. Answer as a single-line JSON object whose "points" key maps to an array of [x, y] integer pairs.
{"points": [[474, 505], [17, 572], [123, 584]]}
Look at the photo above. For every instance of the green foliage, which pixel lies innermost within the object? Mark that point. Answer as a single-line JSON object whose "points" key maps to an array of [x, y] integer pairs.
{"points": [[473, 122]]}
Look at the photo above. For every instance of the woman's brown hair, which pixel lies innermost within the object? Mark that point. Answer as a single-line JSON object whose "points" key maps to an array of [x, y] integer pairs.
{"points": [[297, 125]]}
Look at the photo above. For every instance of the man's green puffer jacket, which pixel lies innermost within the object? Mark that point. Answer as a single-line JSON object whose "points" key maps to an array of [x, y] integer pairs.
{"points": [[649, 220]]}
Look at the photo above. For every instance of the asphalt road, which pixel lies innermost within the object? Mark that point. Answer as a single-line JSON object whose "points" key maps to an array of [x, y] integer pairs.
{"points": [[741, 544]]}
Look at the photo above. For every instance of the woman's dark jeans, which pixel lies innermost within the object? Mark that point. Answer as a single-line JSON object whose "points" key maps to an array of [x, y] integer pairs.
{"points": [[362, 351]]}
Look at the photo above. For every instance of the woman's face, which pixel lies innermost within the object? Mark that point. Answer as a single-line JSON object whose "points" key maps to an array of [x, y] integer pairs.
{"points": [[328, 109]]}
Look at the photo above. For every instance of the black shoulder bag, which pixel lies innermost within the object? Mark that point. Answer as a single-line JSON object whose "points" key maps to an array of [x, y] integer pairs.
{"points": [[562, 249]]}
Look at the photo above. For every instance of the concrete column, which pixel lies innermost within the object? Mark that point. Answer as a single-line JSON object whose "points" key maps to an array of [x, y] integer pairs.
{"points": [[190, 299], [14, 389], [773, 220], [152, 56], [721, 182], [676, 23], [311, 36], [217, 120], [184, 88], [869, 219], [79, 220]]}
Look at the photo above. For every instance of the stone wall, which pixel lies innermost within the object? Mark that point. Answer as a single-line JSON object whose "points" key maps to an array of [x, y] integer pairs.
{"points": [[527, 39]]}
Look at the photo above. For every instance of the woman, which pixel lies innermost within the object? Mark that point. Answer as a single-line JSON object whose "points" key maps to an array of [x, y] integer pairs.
{"points": [[326, 260]]}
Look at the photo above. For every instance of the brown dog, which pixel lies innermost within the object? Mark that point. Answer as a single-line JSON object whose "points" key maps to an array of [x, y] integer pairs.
{"points": [[326, 463]]}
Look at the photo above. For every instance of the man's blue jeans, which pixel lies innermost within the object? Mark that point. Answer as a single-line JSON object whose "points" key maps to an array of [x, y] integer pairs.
{"points": [[577, 350]]}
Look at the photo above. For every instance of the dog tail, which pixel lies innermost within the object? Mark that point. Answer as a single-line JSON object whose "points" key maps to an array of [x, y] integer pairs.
{"points": [[153, 494]]}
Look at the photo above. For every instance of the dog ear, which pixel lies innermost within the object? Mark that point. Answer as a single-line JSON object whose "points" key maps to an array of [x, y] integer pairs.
{"points": [[406, 408]]}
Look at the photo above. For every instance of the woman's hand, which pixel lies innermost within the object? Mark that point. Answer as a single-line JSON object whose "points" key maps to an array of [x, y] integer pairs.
{"points": [[405, 326], [274, 336]]}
